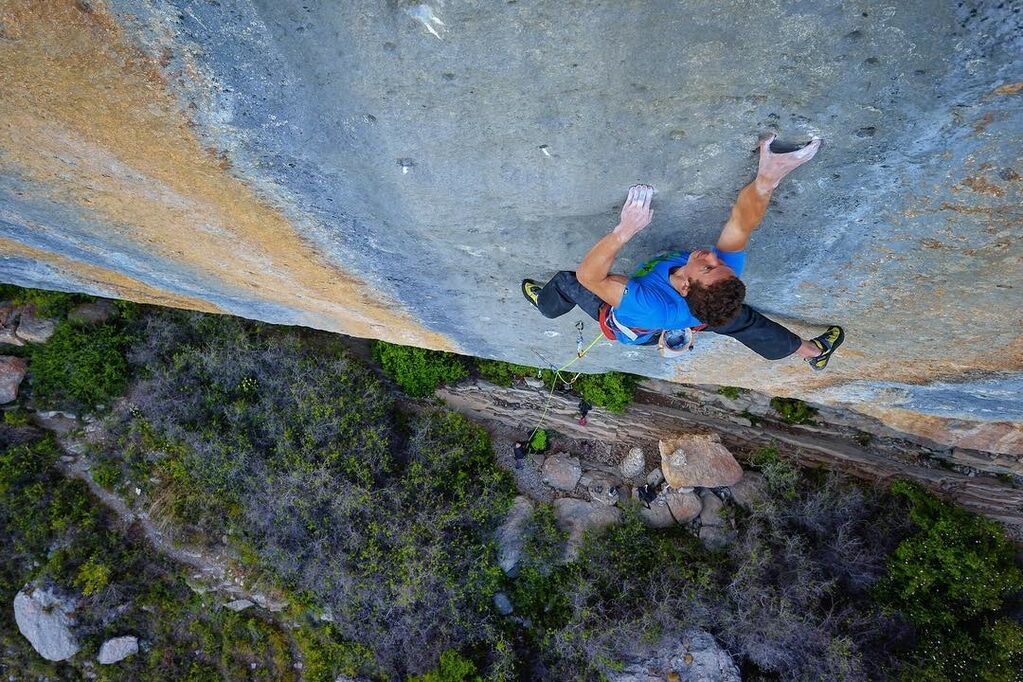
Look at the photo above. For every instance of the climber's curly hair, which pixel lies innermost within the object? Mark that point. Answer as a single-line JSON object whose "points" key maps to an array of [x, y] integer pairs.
{"points": [[717, 304]]}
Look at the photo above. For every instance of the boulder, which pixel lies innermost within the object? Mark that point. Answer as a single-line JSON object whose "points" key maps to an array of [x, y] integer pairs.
{"points": [[561, 471], [12, 372], [658, 515], [693, 656], [698, 461], [715, 532], [92, 313], [602, 487], [684, 507], [45, 619], [118, 649], [9, 326], [702, 659], [510, 536], [750, 491], [655, 477], [576, 516], [34, 329], [238, 605], [503, 604], [633, 464]]}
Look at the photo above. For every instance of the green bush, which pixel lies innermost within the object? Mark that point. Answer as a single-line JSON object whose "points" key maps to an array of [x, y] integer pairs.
{"points": [[793, 411], [82, 365], [950, 578], [502, 373], [418, 371], [782, 477], [731, 392], [47, 303], [538, 443], [612, 390], [452, 668]]}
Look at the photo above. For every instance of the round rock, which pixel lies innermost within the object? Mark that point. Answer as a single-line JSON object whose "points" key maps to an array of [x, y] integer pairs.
{"points": [[698, 461], [45, 619], [118, 649], [561, 471], [633, 464]]}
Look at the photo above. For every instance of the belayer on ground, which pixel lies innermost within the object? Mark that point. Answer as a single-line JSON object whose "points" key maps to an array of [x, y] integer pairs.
{"points": [[686, 290]]}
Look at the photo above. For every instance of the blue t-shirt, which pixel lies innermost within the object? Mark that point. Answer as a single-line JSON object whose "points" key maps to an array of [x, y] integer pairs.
{"points": [[650, 302]]}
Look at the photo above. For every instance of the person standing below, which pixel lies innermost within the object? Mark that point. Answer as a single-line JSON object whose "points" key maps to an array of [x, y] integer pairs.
{"points": [[685, 290]]}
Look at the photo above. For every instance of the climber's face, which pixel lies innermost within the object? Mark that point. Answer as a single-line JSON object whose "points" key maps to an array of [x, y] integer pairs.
{"points": [[706, 268]]}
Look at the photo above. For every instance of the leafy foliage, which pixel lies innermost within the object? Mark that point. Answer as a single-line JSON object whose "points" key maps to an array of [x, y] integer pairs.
{"points": [[950, 578], [782, 478], [731, 392], [292, 449], [502, 373], [538, 442], [46, 303], [452, 668], [83, 366], [793, 411], [613, 390], [418, 371], [52, 531]]}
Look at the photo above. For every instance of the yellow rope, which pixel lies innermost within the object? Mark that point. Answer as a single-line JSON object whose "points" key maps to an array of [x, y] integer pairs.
{"points": [[554, 384]]}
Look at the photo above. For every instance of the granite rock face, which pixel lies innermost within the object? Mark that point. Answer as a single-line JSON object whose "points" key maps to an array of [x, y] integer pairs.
{"points": [[324, 164]]}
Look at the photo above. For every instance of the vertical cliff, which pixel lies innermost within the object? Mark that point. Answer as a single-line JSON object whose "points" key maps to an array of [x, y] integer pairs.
{"points": [[393, 169]]}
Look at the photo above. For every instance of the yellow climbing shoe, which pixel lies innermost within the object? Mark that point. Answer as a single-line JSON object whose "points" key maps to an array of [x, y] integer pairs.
{"points": [[828, 343], [531, 290]]}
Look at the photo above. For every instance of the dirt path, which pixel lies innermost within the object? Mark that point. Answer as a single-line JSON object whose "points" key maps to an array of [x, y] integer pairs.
{"points": [[211, 567]]}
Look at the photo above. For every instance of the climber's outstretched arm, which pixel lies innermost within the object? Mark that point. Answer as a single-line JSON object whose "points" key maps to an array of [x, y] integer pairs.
{"points": [[594, 272], [751, 205]]}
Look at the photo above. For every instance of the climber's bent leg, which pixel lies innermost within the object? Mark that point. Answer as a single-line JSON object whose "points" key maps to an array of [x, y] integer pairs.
{"points": [[563, 293], [761, 335]]}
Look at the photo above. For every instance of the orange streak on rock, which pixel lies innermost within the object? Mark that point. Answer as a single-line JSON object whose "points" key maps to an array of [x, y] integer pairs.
{"points": [[87, 118], [124, 287], [1009, 89]]}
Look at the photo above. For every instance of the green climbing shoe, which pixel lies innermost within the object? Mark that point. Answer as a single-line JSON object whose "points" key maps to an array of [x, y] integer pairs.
{"points": [[828, 342], [531, 290]]}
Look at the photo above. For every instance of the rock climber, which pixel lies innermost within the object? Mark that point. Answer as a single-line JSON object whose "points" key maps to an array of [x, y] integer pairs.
{"points": [[686, 290]]}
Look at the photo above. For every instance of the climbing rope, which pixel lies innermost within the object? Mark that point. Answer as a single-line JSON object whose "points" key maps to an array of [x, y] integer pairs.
{"points": [[580, 353]]}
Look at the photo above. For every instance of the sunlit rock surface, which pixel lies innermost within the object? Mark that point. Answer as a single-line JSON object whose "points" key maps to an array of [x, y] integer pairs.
{"points": [[393, 169]]}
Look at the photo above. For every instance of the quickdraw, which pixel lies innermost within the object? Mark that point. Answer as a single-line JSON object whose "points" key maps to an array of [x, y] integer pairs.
{"points": [[580, 353]]}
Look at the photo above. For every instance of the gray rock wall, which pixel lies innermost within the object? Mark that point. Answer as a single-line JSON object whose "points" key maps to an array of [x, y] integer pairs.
{"points": [[393, 169]]}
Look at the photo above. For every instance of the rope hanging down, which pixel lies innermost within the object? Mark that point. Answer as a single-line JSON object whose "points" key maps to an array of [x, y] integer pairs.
{"points": [[557, 374]]}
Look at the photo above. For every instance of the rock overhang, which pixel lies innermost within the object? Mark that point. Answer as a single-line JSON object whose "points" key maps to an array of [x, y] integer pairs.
{"points": [[371, 170]]}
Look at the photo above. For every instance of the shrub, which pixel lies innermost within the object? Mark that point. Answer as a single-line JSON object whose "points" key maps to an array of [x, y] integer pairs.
{"points": [[731, 392], [793, 411], [612, 390], [950, 578], [84, 366], [47, 303], [418, 371], [782, 477], [451, 668], [955, 566], [538, 442], [502, 373]]}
